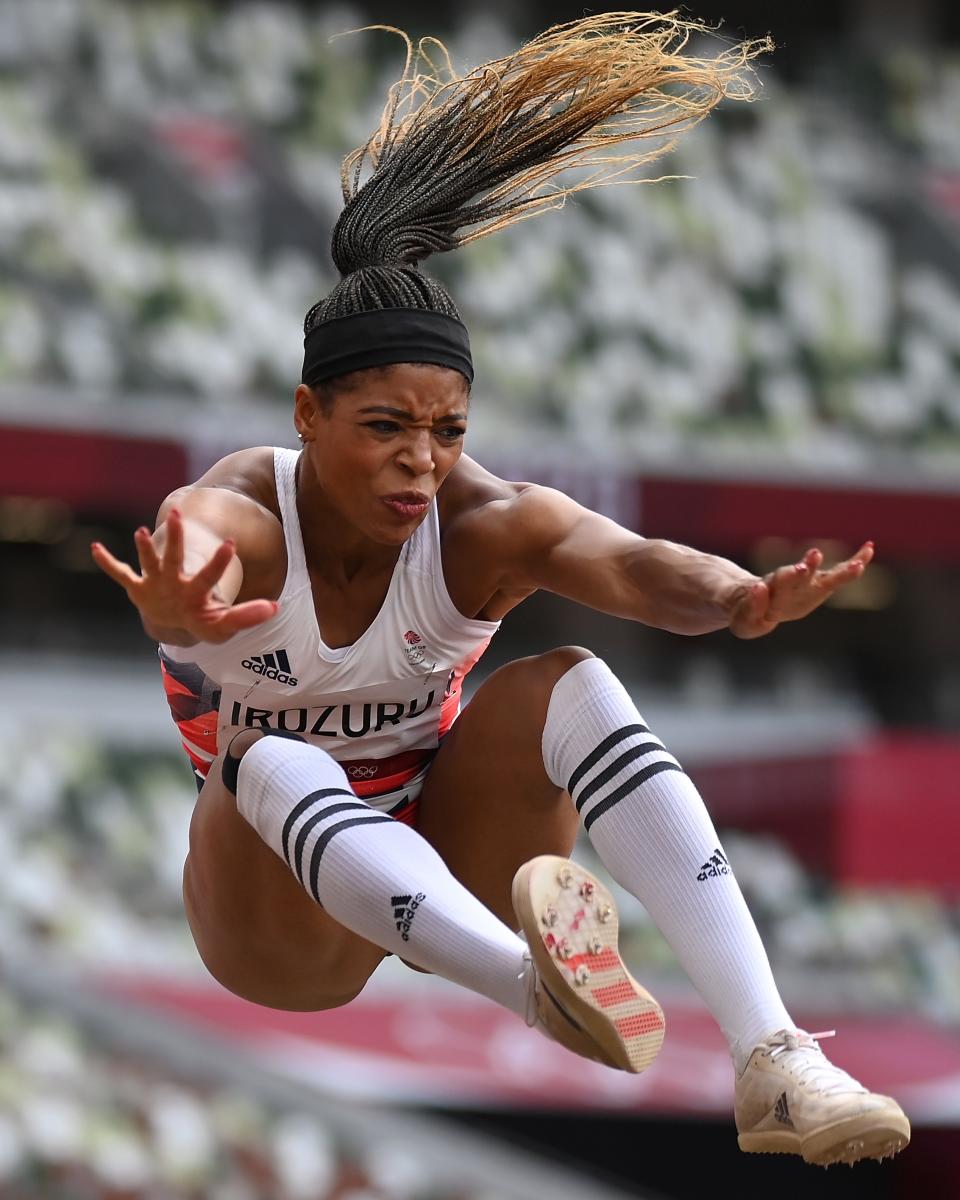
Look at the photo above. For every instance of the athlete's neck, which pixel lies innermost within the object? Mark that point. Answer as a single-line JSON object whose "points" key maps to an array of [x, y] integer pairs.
{"points": [[332, 544]]}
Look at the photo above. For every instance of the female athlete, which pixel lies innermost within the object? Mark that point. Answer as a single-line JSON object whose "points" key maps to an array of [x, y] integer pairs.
{"points": [[318, 610]]}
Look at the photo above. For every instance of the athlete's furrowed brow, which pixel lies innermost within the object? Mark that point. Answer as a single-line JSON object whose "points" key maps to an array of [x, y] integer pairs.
{"points": [[403, 415]]}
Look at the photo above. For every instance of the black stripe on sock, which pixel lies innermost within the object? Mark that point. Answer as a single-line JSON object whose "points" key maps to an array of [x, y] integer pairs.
{"points": [[301, 808], [615, 767], [325, 811], [321, 844], [625, 789], [607, 744]]}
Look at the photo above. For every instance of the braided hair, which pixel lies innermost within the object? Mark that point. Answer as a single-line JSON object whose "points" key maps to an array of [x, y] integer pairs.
{"points": [[458, 157]]}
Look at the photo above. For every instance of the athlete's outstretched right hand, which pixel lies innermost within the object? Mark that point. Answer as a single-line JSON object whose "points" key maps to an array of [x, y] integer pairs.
{"points": [[172, 602]]}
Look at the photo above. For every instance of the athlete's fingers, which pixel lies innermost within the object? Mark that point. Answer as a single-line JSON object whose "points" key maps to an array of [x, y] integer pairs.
{"points": [[211, 572], [146, 551], [118, 571], [245, 616], [857, 563], [173, 550], [851, 569], [842, 573], [808, 564], [795, 591], [789, 581]]}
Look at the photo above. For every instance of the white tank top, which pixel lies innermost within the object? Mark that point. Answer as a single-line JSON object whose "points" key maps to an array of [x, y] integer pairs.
{"points": [[379, 706]]}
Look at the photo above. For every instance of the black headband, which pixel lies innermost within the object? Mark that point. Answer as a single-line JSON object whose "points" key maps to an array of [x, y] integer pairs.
{"points": [[384, 336]]}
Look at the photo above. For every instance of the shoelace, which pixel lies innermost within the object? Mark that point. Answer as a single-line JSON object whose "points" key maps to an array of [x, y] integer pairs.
{"points": [[529, 976], [809, 1065]]}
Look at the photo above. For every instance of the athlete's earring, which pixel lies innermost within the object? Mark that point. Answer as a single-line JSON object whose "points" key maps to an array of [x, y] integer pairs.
{"points": [[303, 440]]}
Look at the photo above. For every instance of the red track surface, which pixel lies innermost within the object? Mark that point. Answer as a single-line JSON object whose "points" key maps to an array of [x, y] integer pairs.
{"points": [[455, 1049]]}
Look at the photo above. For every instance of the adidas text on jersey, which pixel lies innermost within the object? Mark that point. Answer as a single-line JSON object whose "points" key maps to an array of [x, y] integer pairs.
{"points": [[272, 666]]}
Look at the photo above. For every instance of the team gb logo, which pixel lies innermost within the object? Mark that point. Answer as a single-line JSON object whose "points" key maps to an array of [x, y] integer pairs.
{"points": [[413, 647]]}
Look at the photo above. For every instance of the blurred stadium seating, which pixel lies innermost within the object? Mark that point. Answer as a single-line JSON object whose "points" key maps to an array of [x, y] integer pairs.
{"points": [[93, 840], [97, 1105], [784, 309], [166, 194]]}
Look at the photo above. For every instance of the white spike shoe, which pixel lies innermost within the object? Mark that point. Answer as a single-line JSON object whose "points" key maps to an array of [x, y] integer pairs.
{"points": [[790, 1099], [583, 996]]}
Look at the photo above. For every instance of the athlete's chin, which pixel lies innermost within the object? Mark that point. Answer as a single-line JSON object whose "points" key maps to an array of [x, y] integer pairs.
{"points": [[397, 527], [390, 533], [390, 537]]}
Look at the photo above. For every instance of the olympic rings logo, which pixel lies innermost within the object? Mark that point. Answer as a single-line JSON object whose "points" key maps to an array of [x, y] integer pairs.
{"points": [[362, 772]]}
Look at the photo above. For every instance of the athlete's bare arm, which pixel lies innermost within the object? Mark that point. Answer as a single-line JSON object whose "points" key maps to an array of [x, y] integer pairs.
{"points": [[531, 537], [216, 561]]}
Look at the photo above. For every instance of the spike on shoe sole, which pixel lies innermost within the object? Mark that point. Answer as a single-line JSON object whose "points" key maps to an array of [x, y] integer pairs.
{"points": [[614, 1011]]}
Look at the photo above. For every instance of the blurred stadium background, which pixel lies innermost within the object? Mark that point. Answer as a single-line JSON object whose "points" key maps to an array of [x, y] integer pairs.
{"points": [[762, 353]]}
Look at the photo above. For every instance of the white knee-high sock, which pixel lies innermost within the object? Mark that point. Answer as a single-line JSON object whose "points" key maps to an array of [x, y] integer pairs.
{"points": [[376, 876], [653, 834]]}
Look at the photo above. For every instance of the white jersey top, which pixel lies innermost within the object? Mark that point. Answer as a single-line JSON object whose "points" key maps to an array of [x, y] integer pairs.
{"points": [[379, 706]]}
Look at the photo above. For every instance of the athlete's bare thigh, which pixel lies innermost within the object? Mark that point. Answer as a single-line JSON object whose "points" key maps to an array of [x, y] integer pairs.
{"points": [[487, 804], [256, 929]]}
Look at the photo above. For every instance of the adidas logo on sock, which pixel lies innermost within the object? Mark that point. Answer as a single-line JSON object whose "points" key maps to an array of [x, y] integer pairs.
{"points": [[272, 666], [404, 908], [716, 864], [781, 1112]]}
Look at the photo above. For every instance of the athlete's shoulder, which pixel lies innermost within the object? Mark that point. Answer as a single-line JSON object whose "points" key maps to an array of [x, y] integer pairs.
{"points": [[472, 494], [239, 484], [481, 505], [237, 499], [249, 473], [491, 527]]}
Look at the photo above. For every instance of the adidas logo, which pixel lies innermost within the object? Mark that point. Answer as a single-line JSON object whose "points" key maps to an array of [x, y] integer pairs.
{"points": [[404, 909], [716, 864], [781, 1112], [272, 666]]}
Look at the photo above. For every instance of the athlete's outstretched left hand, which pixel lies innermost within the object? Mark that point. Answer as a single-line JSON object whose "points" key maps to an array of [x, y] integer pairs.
{"points": [[794, 591]]}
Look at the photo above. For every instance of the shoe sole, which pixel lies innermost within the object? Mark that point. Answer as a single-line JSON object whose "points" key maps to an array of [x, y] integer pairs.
{"points": [[870, 1135], [578, 961]]}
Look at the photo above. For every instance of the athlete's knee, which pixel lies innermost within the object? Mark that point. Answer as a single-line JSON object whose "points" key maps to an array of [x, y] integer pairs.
{"points": [[526, 684], [556, 663], [546, 670], [238, 746]]}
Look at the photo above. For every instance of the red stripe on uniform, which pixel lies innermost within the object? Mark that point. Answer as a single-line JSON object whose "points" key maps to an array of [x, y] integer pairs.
{"points": [[408, 814], [173, 687], [603, 961], [606, 997], [370, 789], [639, 1024], [200, 765], [374, 777], [201, 730], [451, 700]]}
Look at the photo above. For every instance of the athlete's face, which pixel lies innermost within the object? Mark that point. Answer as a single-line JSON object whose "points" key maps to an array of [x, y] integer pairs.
{"points": [[383, 447]]}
